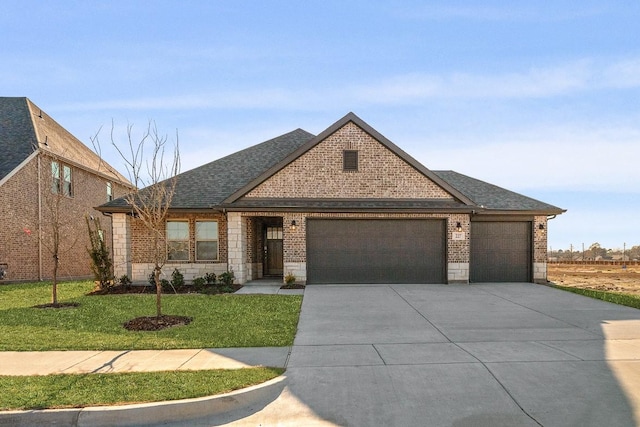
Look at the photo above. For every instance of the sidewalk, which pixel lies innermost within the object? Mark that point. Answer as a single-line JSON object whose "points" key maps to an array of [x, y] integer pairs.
{"points": [[82, 362]]}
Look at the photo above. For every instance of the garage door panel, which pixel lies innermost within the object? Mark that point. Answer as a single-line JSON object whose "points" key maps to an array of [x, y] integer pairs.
{"points": [[500, 252], [375, 251]]}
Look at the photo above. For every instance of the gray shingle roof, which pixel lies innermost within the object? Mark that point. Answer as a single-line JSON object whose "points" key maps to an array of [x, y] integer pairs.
{"points": [[221, 183], [208, 185], [492, 197], [17, 135]]}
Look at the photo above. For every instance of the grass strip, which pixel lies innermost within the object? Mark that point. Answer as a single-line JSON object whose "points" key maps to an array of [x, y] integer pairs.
{"points": [[76, 391], [629, 300], [97, 323]]}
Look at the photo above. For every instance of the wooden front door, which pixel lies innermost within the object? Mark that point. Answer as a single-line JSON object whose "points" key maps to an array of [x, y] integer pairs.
{"points": [[274, 265]]}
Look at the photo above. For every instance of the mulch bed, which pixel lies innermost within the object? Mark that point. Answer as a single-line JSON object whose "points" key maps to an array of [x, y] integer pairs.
{"points": [[294, 286], [147, 289], [58, 305], [153, 323]]}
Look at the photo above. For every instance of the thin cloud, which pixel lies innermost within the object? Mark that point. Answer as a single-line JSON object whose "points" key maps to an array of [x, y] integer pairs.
{"points": [[408, 89]]}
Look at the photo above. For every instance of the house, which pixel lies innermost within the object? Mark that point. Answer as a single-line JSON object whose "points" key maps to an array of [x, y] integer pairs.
{"points": [[345, 206], [47, 177]]}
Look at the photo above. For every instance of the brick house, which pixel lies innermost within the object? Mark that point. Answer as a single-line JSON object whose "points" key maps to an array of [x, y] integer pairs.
{"points": [[345, 206], [46, 171]]}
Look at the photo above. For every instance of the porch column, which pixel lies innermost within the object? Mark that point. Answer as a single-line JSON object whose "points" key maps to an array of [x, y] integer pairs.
{"points": [[237, 241], [121, 245]]}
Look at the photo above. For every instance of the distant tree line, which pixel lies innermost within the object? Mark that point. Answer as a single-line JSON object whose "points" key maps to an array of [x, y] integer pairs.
{"points": [[595, 252]]}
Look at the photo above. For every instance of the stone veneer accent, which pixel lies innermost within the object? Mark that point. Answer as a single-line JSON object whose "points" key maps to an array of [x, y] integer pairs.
{"points": [[237, 241], [140, 271], [540, 249], [121, 245], [318, 173]]}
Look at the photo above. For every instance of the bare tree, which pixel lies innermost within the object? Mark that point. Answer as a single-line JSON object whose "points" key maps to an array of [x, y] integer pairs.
{"points": [[154, 178], [57, 230]]}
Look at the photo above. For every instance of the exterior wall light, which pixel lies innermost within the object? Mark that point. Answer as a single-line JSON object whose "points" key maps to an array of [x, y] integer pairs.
{"points": [[293, 225], [458, 227], [541, 226]]}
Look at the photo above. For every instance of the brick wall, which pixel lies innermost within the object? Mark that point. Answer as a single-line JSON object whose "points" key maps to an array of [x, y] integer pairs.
{"points": [[19, 229], [318, 173], [19, 235]]}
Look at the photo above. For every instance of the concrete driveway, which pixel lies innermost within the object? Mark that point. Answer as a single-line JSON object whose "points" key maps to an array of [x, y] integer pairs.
{"points": [[454, 355]]}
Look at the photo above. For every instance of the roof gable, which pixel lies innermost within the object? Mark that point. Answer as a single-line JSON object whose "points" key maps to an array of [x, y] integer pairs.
{"points": [[25, 129], [315, 170]]}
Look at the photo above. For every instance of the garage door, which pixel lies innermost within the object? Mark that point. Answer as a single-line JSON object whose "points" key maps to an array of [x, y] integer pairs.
{"points": [[376, 251], [500, 252]]}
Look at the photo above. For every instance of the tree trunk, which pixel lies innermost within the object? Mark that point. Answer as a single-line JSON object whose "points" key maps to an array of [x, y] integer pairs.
{"points": [[156, 273], [54, 287]]}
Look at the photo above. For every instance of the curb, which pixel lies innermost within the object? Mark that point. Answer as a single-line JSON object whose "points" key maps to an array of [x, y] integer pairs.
{"points": [[149, 413]]}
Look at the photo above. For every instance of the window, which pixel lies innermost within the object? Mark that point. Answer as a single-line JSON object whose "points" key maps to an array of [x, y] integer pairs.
{"points": [[206, 240], [349, 160], [61, 179], [109, 192], [178, 240], [55, 177], [67, 190]]}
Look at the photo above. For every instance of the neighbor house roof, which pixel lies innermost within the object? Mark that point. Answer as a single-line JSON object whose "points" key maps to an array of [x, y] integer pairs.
{"points": [[26, 129], [222, 183], [17, 135]]}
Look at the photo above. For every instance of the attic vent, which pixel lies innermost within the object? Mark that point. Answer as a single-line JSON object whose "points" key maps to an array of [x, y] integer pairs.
{"points": [[349, 160]]}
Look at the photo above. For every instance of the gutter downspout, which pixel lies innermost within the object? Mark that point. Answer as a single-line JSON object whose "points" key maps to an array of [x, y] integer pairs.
{"points": [[39, 219]]}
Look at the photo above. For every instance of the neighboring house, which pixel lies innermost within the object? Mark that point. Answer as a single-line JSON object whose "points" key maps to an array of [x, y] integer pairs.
{"points": [[48, 176], [346, 206]]}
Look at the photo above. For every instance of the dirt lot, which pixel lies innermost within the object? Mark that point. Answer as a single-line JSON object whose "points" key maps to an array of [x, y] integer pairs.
{"points": [[600, 277]]}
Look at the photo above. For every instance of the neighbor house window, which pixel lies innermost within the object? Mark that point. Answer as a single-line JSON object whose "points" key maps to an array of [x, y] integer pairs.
{"points": [[109, 192], [55, 177], [67, 189], [350, 160], [61, 179], [206, 240], [178, 240]]}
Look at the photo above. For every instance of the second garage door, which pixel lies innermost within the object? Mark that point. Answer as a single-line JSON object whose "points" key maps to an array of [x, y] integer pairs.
{"points": [[500, 252], [376, 251]]}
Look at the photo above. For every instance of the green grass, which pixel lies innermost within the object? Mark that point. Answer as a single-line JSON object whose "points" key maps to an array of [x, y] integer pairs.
{"points": [[630, 300], [218, 320], [65, 391]]}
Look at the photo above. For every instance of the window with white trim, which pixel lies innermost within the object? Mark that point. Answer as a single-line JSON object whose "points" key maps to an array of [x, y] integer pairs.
{"points": [[109, 191], [206, 240], [61, 179], [178, 240], [55, 177]]}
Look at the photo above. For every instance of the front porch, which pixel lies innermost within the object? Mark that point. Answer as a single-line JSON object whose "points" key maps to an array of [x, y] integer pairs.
{"points": [[265, 246]]}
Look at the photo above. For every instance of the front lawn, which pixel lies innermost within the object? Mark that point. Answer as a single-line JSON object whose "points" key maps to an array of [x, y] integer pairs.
{"points": [[74, 391], [96, 324], [630, 300]]}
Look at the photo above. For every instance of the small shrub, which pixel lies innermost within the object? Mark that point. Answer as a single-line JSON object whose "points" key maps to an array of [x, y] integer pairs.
{"points": [[226, 281], [177, 279], [210, 278], [290, 279], [152, 279], [199, 283], [124, 280], [166, 286]]}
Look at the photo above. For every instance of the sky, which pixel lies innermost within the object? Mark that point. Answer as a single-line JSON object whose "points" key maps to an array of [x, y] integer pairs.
{"points": [[539, 97]]}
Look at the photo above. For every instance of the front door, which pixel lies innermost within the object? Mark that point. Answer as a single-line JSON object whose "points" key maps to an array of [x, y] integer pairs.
{"points": [[273, 263]]}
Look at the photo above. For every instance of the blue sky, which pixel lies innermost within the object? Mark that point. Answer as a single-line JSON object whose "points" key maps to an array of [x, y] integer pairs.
{"points": [[538, 97]]}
